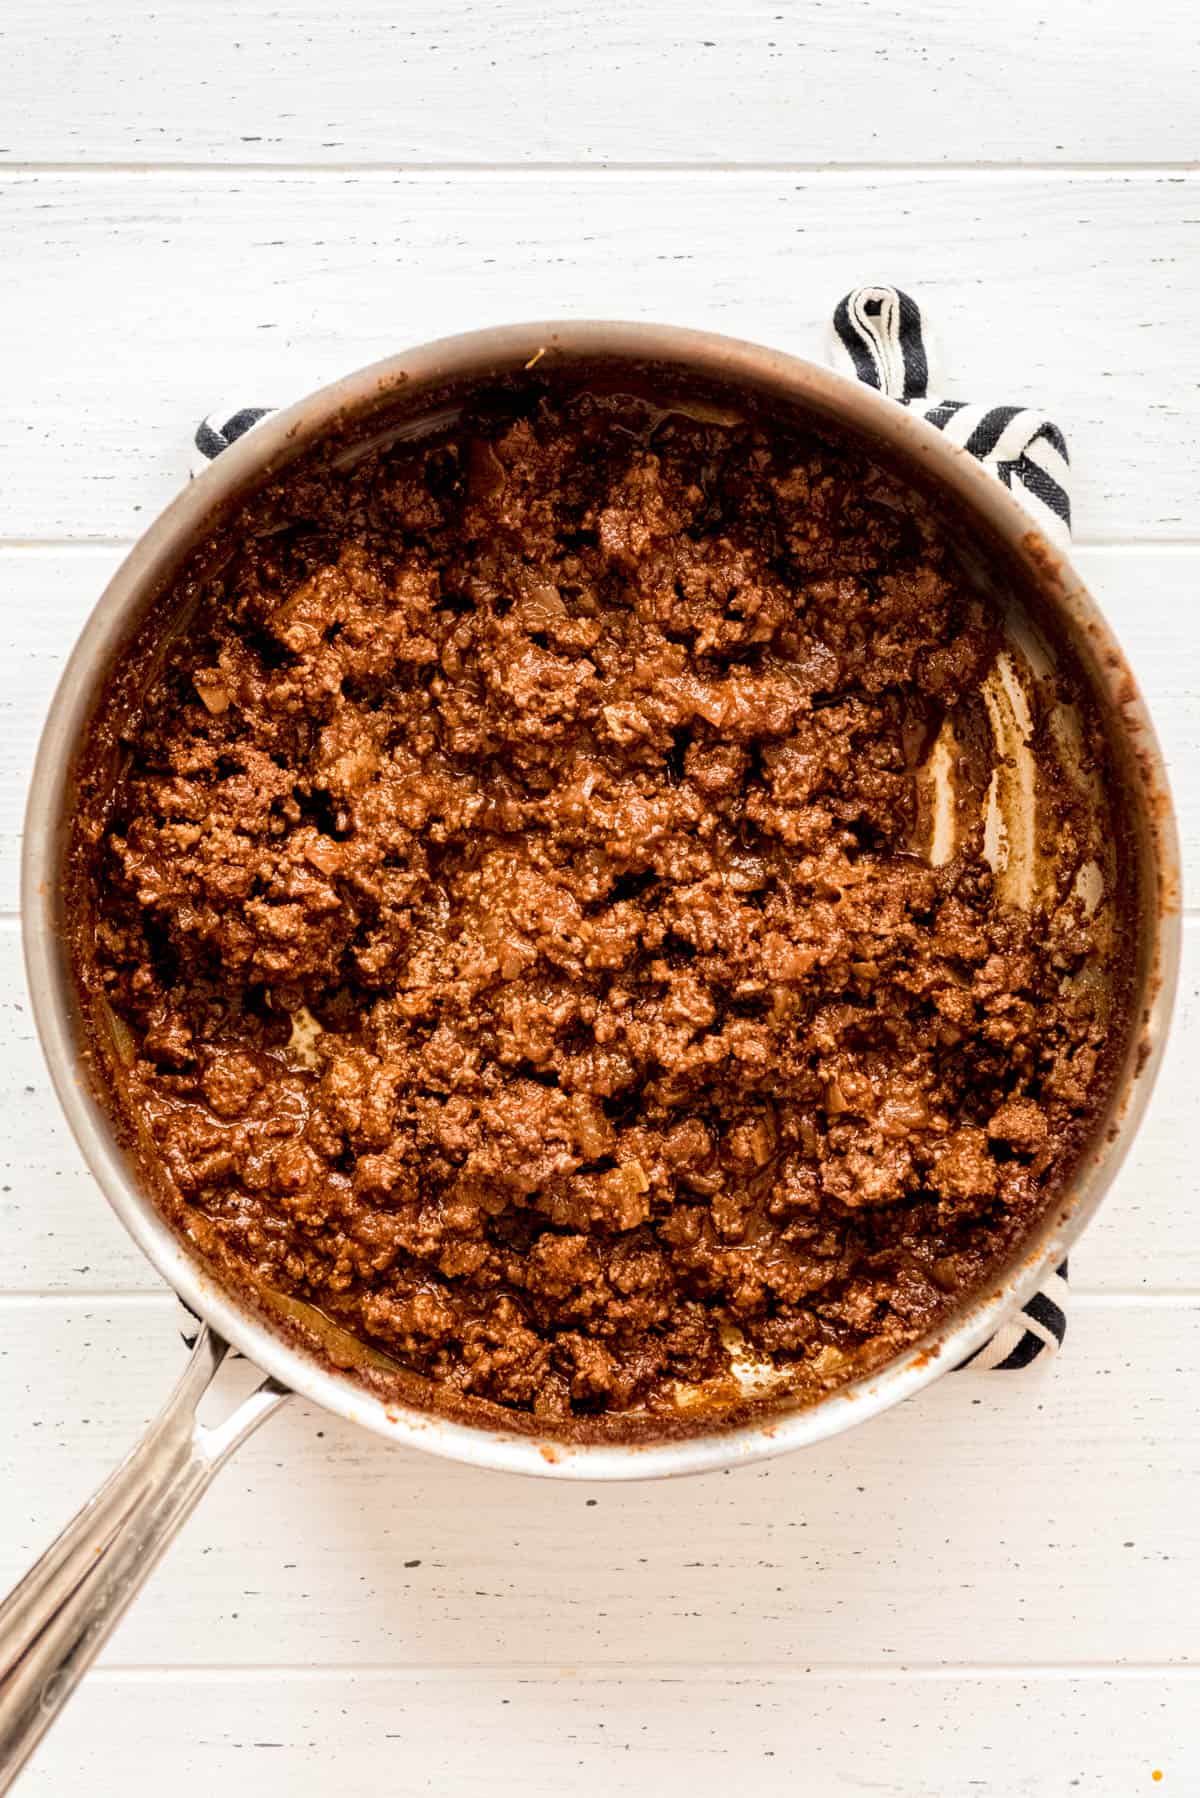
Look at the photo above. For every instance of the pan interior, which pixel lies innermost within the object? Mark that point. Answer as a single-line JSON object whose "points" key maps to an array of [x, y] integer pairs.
{"points": [[1001, 766]]}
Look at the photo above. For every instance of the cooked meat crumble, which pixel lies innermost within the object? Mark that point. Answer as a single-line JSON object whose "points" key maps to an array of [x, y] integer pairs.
{"points": [[518, 912]]}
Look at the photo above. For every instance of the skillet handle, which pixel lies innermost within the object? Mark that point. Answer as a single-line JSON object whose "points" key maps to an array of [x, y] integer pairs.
{"points": [[53, 1625]]}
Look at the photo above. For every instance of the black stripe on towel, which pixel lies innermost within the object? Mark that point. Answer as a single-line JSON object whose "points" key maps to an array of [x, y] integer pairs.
{"points": [[989, 430], [1043, 485], [864, 362], [210, 443], [941, 414], [1051, 1316], [873, 321], [241, 422], [214, 435], [1041, 1309], [912, 346], [1029, 1347], [1054, 436]]}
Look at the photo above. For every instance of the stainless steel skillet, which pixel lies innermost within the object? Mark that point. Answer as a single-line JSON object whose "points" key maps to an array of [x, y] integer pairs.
{"points": [[52, 1626]]}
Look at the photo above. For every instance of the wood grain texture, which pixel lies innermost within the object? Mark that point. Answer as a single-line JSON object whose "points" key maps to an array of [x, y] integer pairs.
{"points": [[1023, 1505], [140, 301], [635, 81], [622, 1736], [990, 1591]]}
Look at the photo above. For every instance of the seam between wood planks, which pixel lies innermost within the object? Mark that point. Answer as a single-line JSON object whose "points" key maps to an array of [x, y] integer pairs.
{"points": [[601, 170], [581, 1674]]}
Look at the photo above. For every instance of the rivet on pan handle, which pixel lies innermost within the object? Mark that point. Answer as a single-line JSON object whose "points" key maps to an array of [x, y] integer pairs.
{"points": [[54, 1624]]}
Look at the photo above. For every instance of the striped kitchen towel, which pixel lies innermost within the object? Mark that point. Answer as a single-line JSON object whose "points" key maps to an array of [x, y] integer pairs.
{"points": [[879, 336]]}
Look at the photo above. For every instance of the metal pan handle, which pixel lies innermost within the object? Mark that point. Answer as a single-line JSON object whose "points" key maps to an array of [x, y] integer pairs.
{"points": [[53, 1625]]}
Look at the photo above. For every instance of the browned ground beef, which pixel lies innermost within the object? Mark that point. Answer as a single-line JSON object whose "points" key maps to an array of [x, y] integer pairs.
{"points": [[561, 770]]}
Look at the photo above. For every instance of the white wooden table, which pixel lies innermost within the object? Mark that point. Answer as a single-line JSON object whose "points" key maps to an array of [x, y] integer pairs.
{"points": [[990, 1591]]}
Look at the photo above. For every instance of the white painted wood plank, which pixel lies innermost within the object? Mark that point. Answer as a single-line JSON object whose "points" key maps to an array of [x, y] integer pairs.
{"points": [[995, 1522], [625, 1736], [636, 80], [1152, 601], [56, 1231], [1144, 1238], [1047, 1519], [140, 300], [45, 596]]}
